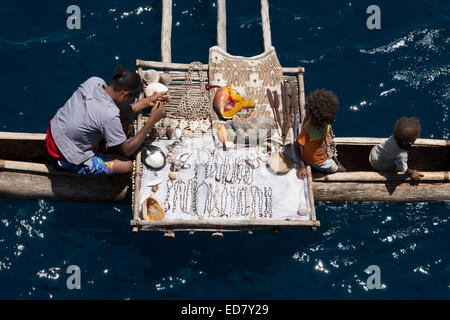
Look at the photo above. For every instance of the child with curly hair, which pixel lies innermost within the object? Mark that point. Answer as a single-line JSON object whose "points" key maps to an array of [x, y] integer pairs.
{"points": [[392, 154], [315, 136]]}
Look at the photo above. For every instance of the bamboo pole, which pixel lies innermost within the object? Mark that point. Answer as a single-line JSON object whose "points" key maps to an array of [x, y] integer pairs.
{"points": [[222, 24], [21, 136], [311, 196], [166, 65], [370, 176], [166, 31], [266, 24], [374, 141], [185, 66], [138, 165], [222, 225]]}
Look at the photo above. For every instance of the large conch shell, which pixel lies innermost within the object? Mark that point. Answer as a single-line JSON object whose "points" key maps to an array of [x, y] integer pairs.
{"points": [[223, 136], [228, 102], [221, 98], [152, 210], [153, 88], [165, 78], [151, 76]]}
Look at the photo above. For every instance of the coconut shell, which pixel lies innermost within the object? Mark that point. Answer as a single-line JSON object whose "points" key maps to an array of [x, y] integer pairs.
{"points": [[280, 162]]}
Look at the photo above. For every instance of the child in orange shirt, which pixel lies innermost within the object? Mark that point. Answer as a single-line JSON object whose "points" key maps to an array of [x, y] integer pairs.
{"points": [[321, 109]]}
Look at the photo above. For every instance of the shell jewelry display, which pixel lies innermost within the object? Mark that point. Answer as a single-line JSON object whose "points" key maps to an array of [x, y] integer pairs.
{"points": [[207, 177]]}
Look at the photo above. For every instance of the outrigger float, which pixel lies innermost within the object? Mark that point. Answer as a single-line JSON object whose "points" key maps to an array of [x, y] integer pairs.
{"points": [[26, 174]]}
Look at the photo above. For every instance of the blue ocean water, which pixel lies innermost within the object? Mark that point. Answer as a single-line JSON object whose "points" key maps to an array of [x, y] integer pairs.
{"points": [[378, 75]]}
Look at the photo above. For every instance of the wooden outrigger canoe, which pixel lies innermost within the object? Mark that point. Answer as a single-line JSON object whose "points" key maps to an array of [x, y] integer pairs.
{"points": [[25, 174]]}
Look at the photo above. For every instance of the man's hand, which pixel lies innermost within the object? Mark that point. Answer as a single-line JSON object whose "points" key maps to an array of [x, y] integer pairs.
{"points": [[414, 174], [165, 97], [159, 96], [128, 147], [158, 111]]}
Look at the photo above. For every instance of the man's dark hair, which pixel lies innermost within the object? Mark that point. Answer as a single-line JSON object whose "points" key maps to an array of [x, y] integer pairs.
{"points": [[126, 79], [407, 130], [321, 107]]}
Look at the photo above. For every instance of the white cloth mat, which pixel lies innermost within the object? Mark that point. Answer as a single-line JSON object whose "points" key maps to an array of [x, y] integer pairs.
{"points": [[288, 192]]}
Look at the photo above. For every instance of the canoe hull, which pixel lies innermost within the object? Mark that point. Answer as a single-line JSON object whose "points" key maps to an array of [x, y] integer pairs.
{"points": [[381, 192], [25, 185]]}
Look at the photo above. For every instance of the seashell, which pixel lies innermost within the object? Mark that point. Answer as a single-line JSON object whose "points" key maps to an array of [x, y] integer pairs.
{"points": [[204, 125], [188, 133], [153, 158], [165, 78], [151, 76], [169, 133], [222, 134], [151, 209], [178, 133], [153, 88], [155, 188], [173, 124], [154, 182], [183, 124], [256, 120], [193, 125], [172, 176], [302, 209], [161, 132], [166, 122]]}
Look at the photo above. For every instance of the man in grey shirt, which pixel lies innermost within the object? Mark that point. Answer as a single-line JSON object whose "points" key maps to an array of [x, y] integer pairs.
{"points": [[95, 112], [392, 154]]}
